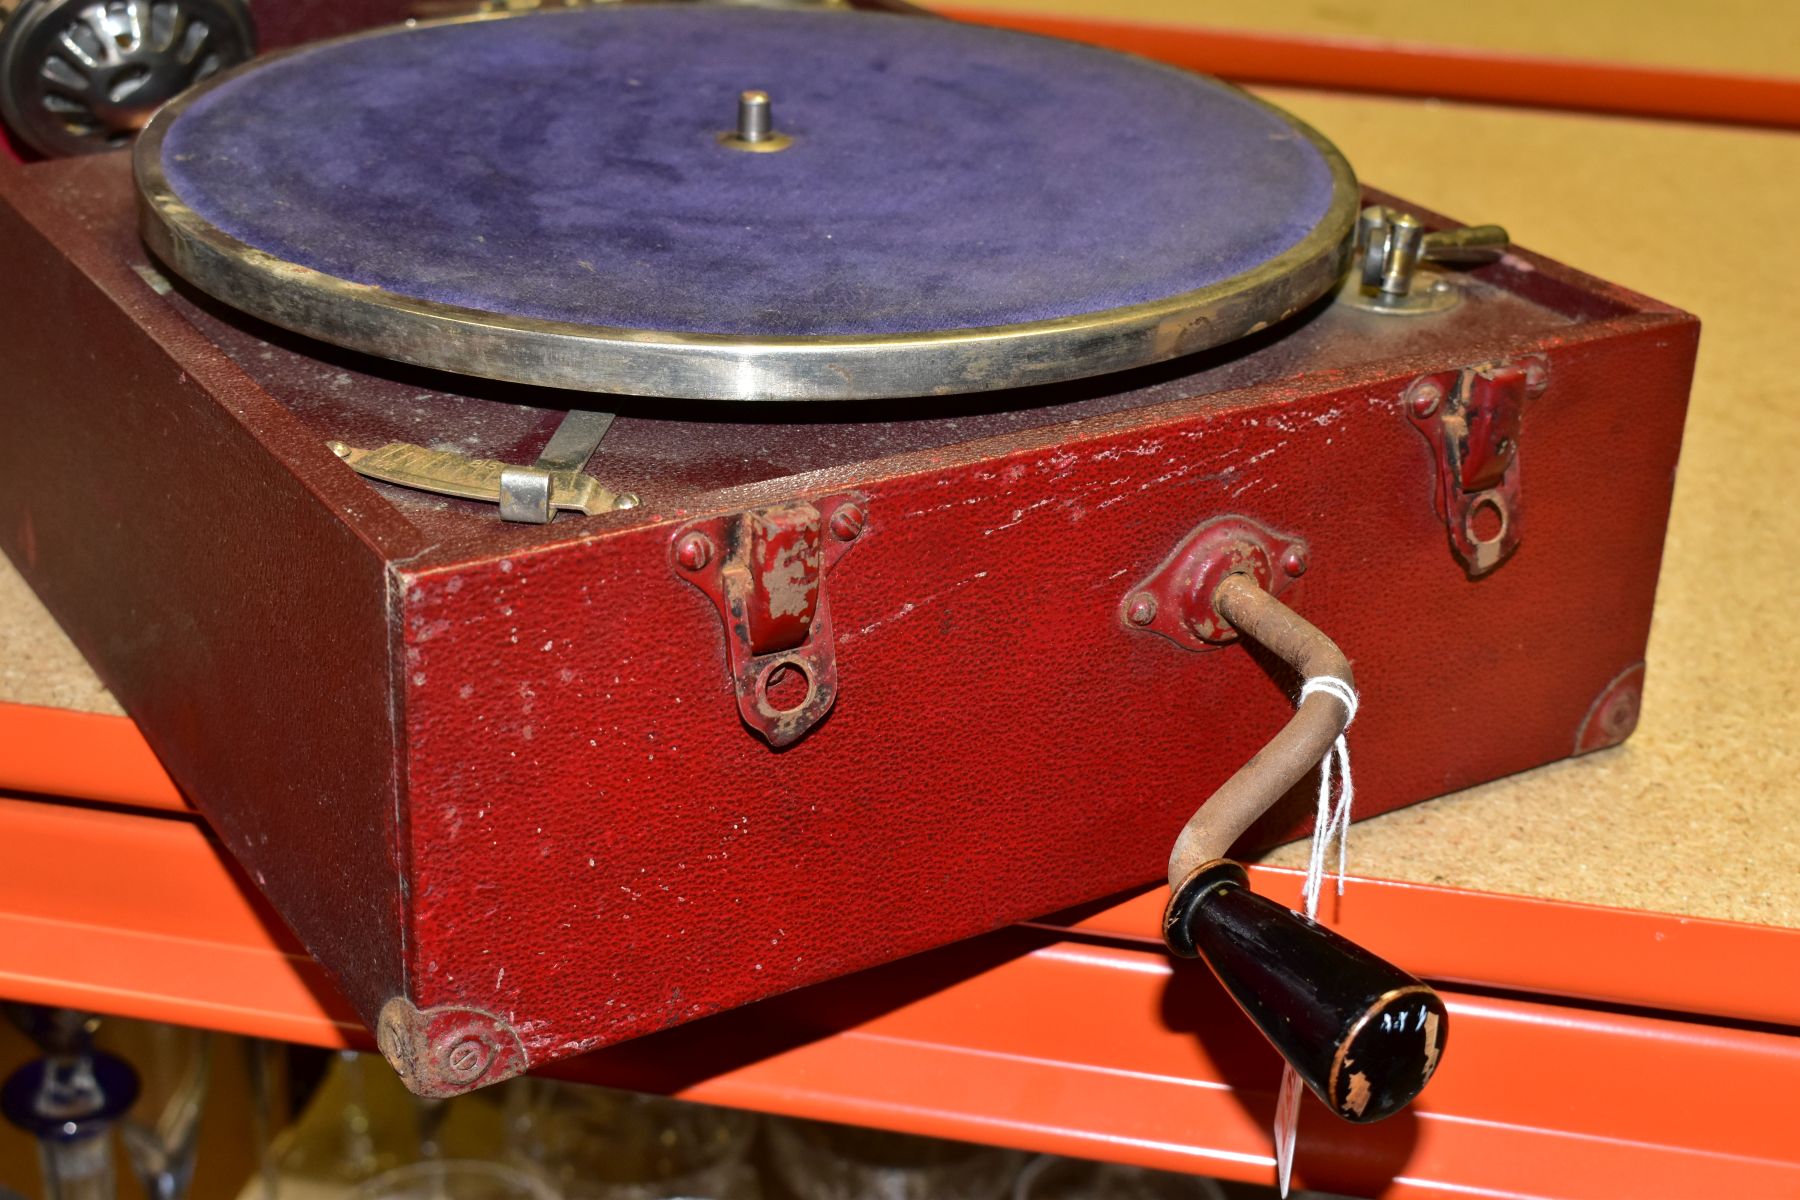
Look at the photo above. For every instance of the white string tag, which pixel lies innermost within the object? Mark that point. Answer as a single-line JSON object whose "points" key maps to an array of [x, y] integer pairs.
{"points": [[1331, 821]]}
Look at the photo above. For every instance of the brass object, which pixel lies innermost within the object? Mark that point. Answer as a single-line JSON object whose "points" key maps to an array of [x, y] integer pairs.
{"points": [[450, 474], [1392, 246]]}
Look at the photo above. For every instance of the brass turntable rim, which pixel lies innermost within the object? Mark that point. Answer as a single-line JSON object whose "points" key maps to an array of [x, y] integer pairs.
{"points": [[712, 366]]}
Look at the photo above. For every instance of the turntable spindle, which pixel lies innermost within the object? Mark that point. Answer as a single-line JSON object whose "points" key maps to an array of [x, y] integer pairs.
{"points": [[755, 125]]}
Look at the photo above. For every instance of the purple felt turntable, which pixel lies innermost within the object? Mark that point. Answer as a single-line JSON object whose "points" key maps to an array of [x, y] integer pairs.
{"points": [[567, 196]]}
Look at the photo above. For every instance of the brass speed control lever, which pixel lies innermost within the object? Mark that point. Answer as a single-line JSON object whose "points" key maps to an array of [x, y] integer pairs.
{"points": [[1364, 1035]]}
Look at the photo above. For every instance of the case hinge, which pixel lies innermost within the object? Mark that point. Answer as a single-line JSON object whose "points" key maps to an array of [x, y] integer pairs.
{"points": [[765, 572], [1472, 418]]}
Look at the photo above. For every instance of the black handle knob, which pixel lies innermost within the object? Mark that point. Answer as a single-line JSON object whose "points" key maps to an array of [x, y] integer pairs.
{"points": [[1362, 1033]]}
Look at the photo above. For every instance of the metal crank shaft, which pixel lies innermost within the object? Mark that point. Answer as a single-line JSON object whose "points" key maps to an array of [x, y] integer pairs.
{"points": [[1364, 1035]]}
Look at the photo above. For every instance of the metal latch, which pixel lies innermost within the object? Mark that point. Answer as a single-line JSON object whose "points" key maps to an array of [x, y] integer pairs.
{"points": [[1390, 246], [1472, 419], [765, 572], [558, 480]]}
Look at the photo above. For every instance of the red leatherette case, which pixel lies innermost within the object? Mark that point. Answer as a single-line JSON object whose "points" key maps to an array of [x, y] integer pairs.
{"points": [[497, 777]]}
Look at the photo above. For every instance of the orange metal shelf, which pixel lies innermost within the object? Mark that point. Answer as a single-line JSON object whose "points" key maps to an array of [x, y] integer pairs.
{"points": [[1517, 943], [1414, 69], [1611, 956], [93, 756], [1077, 1042], [1118, 1054], [145, 916]]}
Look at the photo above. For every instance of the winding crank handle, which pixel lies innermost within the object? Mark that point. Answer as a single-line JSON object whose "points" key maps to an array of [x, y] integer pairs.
{"points": [[1364, 1035]]}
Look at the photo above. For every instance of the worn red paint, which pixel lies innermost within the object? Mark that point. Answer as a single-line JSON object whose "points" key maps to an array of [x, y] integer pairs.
{"points": [[501, 769], [764, 571]]}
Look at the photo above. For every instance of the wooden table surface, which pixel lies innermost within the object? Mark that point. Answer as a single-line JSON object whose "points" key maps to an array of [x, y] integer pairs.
{"points": [[1699, 813], [1741, 36]]}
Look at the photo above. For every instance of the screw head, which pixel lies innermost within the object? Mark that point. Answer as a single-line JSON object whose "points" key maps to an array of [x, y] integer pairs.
{"points": [[467, 1059], [694, 551], [1620, 716], [1426, 395], [847, 522], [1537, 376], [1293, 561], [1142, 609]]}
